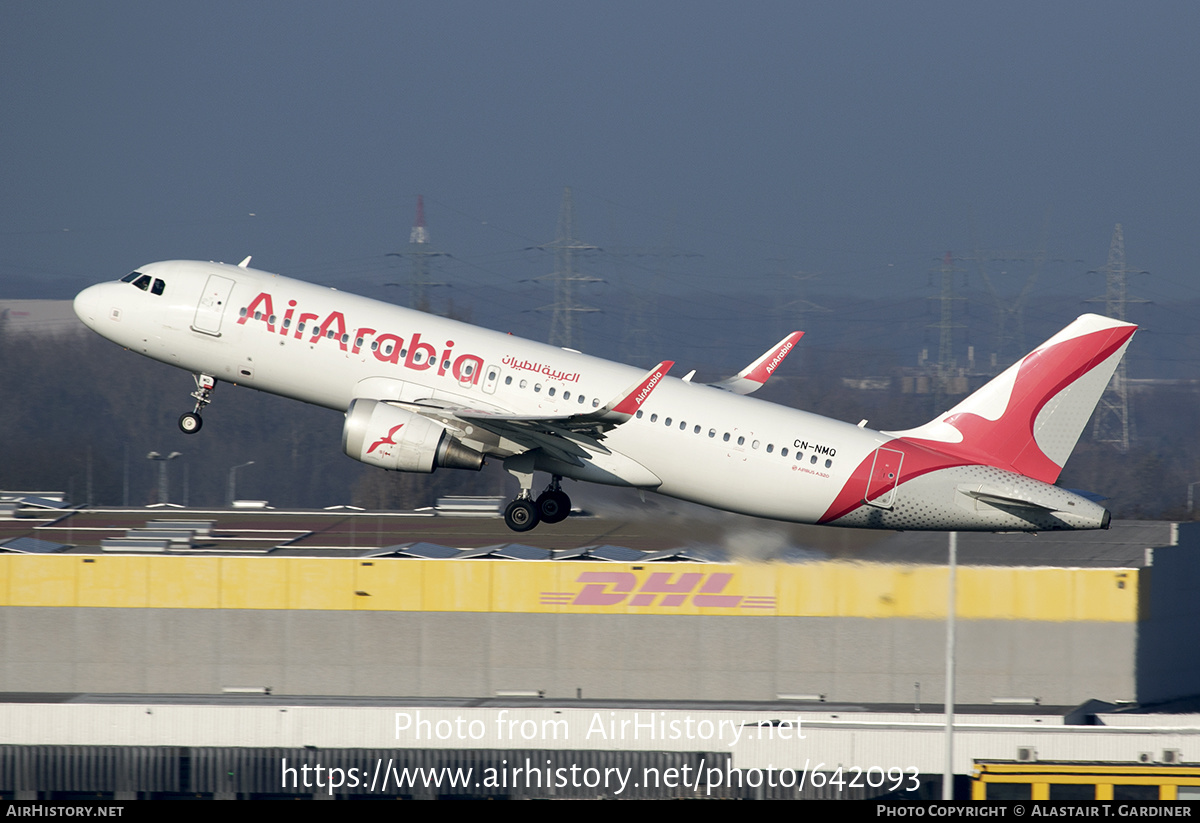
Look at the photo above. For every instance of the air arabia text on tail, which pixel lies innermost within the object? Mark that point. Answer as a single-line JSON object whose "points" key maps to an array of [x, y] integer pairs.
{"points": [[386, 346]]}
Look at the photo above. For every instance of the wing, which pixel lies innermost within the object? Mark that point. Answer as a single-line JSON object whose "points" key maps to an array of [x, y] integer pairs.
{"points": [[752, 378], [562, 435]]}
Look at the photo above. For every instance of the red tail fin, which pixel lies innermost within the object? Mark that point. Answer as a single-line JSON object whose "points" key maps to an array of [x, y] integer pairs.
{"points": [[1029, 418]]}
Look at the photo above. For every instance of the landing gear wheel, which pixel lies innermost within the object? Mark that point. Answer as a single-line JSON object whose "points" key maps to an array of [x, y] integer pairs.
{"points": [[521, 515], [553, 506], [190, 423]]}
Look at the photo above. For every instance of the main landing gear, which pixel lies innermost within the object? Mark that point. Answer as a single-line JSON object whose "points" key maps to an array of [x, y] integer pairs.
{"points": [[190, 423], [524, 513], [553, 505]]}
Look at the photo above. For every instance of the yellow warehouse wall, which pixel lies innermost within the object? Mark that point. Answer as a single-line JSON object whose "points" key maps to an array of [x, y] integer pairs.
{"points": [[823, 589]]}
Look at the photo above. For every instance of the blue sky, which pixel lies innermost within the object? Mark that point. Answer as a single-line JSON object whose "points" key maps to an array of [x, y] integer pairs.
{"points": [[855, 141]]}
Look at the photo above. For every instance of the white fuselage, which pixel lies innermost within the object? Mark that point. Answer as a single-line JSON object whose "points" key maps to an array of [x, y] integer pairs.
{"points": [[690, 441]]}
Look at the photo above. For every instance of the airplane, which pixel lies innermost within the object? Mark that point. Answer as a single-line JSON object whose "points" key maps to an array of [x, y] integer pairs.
{"points": [[421, 392]]}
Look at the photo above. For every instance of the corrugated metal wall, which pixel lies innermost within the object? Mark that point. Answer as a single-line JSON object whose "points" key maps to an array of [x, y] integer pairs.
{"points": [[819, 589]]}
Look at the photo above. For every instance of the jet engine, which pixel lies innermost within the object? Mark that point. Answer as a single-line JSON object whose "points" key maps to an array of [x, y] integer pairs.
{"points": [[392, 438]]}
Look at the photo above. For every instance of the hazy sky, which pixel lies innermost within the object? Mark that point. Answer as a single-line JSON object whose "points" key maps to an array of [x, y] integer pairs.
{"points": [[850, 140]]}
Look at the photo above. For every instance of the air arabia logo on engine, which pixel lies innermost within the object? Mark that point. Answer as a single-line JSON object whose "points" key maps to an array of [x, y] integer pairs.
{"points": [[386, 441], [385, 346], [662, 589]]}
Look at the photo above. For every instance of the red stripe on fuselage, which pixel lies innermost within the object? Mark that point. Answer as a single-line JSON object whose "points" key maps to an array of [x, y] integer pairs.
{"points": [[918, 460]]}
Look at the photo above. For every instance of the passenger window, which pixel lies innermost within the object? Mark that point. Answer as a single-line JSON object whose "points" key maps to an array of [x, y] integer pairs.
{"points": [[726, 437], [667, 421], [358, 341], [491, 374], [287, 324], [814, 460], [242, 311], [783, 451], [550, 391], [374, 345], [682, 425], [639, 414], [508, 380], [523, 384], [712, 432], [696, 430], [581, 399], [345, 338], [770, 448], [158, 286], [300, 329], [741, 441], [828, 463], [754, 445], [596, 403], [654, 418], [537, 386]]}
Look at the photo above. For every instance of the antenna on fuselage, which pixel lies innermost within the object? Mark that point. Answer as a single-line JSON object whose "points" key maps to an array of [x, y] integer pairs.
{"points": [[245, 262]]}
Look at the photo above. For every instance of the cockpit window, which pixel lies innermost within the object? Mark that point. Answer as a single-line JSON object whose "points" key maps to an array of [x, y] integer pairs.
{"points": [[129, 278], [143, 282], [158, 286]]}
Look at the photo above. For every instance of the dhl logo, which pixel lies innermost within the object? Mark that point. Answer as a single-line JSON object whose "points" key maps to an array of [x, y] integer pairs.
{"points": [[706, 591]]}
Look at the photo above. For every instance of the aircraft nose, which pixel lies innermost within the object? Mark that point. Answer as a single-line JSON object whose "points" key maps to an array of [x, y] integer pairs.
{"points": [[87, 305]]}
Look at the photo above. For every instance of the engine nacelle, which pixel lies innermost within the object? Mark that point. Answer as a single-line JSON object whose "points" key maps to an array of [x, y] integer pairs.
{"points": [[392, 438]]}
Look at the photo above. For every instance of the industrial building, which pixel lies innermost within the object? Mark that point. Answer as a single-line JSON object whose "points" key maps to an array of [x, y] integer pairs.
{"points": [[205, 643]]}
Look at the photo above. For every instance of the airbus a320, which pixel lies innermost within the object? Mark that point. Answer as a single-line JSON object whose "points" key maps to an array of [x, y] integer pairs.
{"points": [[421, 392]]}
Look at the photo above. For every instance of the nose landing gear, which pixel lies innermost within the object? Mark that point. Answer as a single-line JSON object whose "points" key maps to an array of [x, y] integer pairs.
{"points": [[191, 422]]}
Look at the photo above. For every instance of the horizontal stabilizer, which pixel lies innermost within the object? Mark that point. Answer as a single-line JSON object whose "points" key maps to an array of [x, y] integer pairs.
{"points": [[752, 378], [1007, 501]]}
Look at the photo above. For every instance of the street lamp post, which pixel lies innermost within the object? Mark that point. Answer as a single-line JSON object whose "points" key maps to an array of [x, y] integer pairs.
{"points": [[233, 481]]}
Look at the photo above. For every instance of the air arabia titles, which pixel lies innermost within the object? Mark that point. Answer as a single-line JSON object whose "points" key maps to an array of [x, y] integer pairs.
{"points": [[779, 355], [386, 346]]}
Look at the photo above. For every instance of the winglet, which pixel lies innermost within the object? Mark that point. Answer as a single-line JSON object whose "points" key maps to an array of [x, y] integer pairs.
{"points": [[752, 378], [632, 398]]}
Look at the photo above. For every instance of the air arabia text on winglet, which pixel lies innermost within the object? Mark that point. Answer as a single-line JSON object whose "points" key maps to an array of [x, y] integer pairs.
{"points": [[386, 346], [779, 355], [649, 387]]}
